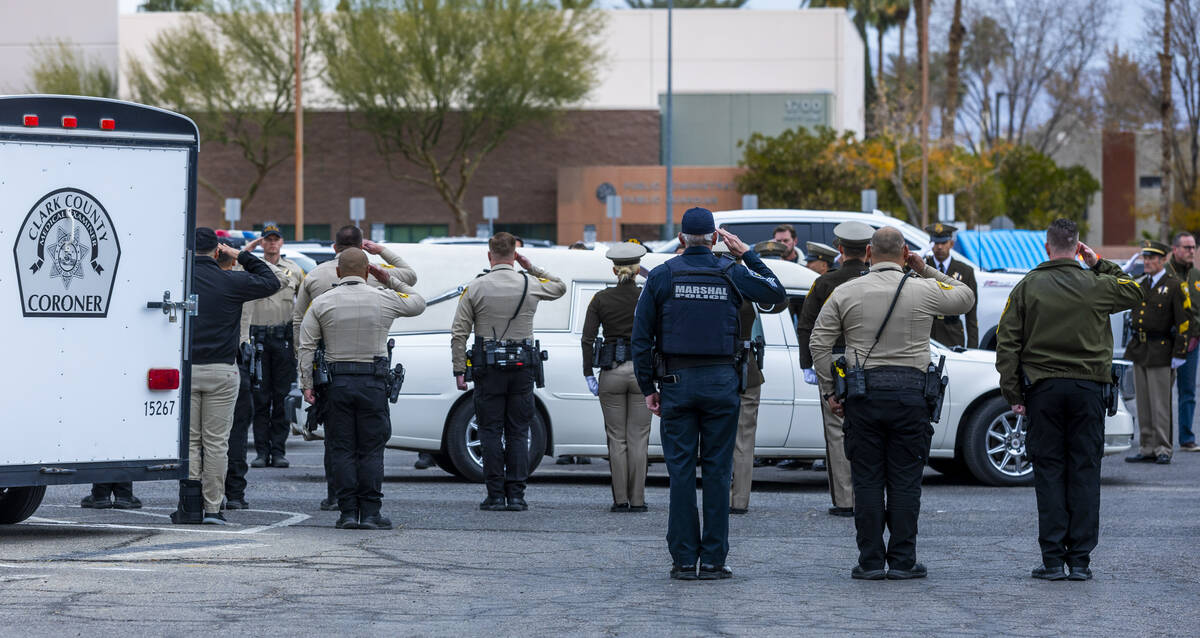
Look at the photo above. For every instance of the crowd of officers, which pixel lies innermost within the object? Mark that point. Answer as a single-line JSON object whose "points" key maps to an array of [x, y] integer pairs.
{"points": [[683, 347]]}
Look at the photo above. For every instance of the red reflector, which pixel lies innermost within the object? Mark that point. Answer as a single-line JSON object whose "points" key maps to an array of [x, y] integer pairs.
{"points": [[30, 120], [163, 379], [108, 124], [69, 121]]}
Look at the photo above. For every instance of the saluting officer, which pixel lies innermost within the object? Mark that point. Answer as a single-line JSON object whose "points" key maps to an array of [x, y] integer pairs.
{"points": [[626, 418], [688, 315], [270, 324], [1054, 355], [852, 240], [353, 321], [324, 277], [1158, 345], [500, 307], [884, 317], [948, 329], [820, 258]]}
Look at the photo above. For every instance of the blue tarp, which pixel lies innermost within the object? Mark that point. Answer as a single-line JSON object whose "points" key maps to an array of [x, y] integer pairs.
{"points": [[999, 249]]}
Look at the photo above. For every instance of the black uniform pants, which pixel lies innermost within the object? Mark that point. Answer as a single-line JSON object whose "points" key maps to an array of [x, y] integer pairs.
{"points": [[101, 491], [504, 410], [271, 427], [356, 431], [1066, 442], [887, 437], [243, 414]]}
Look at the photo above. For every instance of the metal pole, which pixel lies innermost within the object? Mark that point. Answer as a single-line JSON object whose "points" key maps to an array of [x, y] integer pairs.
{"points": [[299, 152], [670, 51], [924, 59]]}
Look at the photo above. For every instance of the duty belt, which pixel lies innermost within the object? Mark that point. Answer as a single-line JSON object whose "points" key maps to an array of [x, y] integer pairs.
{"points": [[895, 378], [683, 362], [952, 319], [344, 368], [281, 331]]}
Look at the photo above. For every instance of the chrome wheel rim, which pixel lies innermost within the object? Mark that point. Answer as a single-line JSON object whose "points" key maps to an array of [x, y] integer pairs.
{"points": [[1005, 444]]}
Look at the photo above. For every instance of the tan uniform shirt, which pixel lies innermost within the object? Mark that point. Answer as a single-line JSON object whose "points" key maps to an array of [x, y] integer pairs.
{"points": [[353, 319], [857, 308], [322, 278], [490, 301], [276, 309]]}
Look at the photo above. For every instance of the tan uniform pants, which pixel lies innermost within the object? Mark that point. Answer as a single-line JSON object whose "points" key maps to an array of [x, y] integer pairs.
{"points": [[743, 449], [627, 426], [1153, 390], [841, 489], [214, 396]]}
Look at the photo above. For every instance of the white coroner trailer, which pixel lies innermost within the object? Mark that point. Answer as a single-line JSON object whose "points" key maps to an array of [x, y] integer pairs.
{"points": [[99, 200]]}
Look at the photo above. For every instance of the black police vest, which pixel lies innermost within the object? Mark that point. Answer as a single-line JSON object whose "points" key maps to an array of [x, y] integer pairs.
{"points": [[700, 316]]}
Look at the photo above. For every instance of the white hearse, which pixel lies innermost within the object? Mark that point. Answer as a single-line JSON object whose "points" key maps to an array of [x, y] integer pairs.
{"points": [[977, 432], [99, 206]]}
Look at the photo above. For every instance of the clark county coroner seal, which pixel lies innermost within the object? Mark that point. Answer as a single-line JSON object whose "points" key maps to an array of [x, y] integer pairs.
{"points": [[66, 256]]}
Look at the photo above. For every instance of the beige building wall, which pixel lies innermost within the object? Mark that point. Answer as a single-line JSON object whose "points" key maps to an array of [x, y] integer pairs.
{"points": [[91, 25]]}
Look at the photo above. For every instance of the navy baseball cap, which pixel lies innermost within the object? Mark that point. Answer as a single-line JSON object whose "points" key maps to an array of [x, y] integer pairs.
{"points": [[206, 240], [271, 229], [697, 221]]}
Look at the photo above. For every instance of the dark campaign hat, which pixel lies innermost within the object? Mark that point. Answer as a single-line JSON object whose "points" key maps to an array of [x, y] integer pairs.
{"points": [[853, 234], [816, 251], [697, 221], [626, 254], [940, 232], [770, 248], [271, 229], [1151, 247], [206, 240]]}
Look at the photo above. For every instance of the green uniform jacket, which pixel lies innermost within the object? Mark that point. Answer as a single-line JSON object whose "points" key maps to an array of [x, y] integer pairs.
{"points": [[1190, 274], [1055, 324], [820, 291], [948, 330], [1159, 328]]}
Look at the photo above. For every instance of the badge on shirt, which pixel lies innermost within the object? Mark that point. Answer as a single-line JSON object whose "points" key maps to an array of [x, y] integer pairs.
{"points": [[944, 286]]}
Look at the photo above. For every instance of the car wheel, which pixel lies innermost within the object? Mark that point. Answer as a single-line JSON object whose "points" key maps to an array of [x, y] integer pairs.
{"points": [[19, 503], [466, 452], [994, 445], [988, 340], [443, 461]]}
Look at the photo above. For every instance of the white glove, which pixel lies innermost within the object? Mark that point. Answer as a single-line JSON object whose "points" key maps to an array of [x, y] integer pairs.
{"points": [[810, 376], [594, 386], [1175, 363]]}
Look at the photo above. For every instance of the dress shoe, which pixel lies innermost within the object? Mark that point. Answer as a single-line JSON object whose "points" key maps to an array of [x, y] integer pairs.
{"points": [[122, 503], [375, 521], [638, 509], [916, 571], [582, 460], [739, 510], [1043, 572], [214, 518], [683, 572], [1080, 573], [329, 504], [1163, 459], [714, 572], [424, 461], [279, 461], [619, 508], [845, 512], [565, 460], [493, 504], [236, 504], [92, 503], [516, 504], [259, 461], [859, 573], [1140, 458], [348, 520]]}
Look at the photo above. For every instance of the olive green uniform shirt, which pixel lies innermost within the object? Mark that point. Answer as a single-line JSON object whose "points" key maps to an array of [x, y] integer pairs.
{"points": [[1190, 274], [857, 309], [820, 291], [1055, 324], [612, 308], [322, 278], [353, 320], [1160, 326], [489, 303], [948, 329]]}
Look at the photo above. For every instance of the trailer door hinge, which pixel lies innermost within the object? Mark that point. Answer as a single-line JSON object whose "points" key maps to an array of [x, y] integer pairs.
{"points": [[172, 308]]}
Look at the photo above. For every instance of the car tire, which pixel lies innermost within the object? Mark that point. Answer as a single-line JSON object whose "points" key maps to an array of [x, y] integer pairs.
{"points": [[443, 461], [19, 503], [462, 442], [988, 340], [994, 445]]}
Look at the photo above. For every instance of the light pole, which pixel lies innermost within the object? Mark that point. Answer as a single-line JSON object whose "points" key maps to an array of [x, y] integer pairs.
{"points": [[670, 220]]}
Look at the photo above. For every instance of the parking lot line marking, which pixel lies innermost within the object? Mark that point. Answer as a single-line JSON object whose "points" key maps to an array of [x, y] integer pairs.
{"points": [[295, 518], [73, 566], [292, 519]]}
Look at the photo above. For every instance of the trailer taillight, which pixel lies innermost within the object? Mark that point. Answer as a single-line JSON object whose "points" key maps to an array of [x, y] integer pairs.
{"points": [[69, 121], [163, 379], [31, 120], [108, 124]]}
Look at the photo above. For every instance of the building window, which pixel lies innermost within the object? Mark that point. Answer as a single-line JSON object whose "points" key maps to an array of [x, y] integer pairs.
{"points": [[312, 232], [412, 233], [530, 231], [1150, 181]]}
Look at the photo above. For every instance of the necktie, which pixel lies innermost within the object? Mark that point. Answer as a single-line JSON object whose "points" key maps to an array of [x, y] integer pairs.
{"points": [[942, 265]]}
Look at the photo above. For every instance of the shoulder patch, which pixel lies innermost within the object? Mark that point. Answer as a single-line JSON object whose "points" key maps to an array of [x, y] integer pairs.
{"points": [[388, 266], [1122, 280], [402, 295], [544, 281], [463, 292], [944, 286]]}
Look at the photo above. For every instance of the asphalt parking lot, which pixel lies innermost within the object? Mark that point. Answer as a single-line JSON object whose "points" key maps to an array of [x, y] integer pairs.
{"points": [[568, 566]]}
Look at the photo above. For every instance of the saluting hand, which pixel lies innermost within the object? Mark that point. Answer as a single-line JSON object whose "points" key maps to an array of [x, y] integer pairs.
{"points": [[226, 249], [1089, 256], [523, 260], [915, 263], [736, 246], [372, 247], [379, 273]]}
